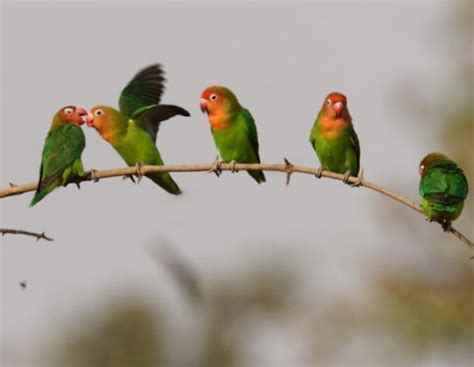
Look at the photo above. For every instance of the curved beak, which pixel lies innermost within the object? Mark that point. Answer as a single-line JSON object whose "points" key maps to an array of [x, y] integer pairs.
{"points": [[338, 108], [90, 119], [204, 105], [81, 112]]}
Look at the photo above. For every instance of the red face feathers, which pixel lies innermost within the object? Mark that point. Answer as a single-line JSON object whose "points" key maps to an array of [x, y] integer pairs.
{"points": [[336, 104], [217, 99], [71, 114]]}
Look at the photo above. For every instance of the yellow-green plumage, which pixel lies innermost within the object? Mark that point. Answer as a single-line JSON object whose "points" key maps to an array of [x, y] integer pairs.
{"points": [[61, 157], [133, 129]]}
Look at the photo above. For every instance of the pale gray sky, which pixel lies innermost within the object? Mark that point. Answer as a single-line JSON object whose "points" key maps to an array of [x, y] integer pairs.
{"points": [[280, 60]]}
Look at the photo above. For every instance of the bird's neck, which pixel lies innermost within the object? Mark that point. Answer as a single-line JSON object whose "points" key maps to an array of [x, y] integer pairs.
{"points": [[221, 119], [333, 127]]}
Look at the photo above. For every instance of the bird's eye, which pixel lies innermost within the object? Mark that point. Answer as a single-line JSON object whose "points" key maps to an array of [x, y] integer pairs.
{"points": [[98, 112], [213, 97], [328, 101], [68, 110], [422, 168]]}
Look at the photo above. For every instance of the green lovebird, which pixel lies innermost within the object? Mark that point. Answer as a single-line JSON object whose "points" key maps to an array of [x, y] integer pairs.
{"points": [[63, 146], [334, 139], [132, 129], [232, 127], [443, 189]]}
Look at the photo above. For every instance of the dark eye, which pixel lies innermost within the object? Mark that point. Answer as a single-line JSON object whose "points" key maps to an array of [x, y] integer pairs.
{"points": [[422, 168], [213, 97], [98, 112], [328, 101], [68, 110]]}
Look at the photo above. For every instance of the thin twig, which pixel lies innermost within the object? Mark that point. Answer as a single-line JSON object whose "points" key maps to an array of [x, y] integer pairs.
{"points": [[39, 236], [287, 168]]}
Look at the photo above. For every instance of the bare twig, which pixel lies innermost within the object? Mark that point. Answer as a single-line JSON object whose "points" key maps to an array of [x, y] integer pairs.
{"points": [[39, 236], [287, 168]]}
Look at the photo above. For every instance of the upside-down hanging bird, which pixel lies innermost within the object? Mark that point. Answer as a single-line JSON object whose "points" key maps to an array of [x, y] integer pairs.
{"points": [[132, 129], [232, 127], [63, 146], [334, 139], [443, 189]]}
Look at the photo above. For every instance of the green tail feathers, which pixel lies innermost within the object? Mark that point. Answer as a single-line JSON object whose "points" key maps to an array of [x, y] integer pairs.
{"points": [[40, 194], [257, 176], [166, 182]]}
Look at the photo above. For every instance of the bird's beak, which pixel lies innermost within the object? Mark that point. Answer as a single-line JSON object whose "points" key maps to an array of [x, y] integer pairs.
{"points": [[338, 108], [204, 105], [81, 112], [90, 119]]}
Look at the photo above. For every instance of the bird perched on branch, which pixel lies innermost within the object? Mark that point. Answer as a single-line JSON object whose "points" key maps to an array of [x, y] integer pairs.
{"points": [[132, 129], [334, 139], [443, 189], [63, 146], [233, 129]]}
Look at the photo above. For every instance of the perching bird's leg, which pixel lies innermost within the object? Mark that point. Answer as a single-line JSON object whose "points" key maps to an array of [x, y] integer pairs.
{"points": [[345, 179], [446, 224], [91, 175], [360, 179], [232, 166], [139, 173], [319, 172], [216, 166]]}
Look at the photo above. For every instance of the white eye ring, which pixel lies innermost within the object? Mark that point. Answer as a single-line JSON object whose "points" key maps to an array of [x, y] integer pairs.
{"points": [[422, 168], [213, 97], [68, 110], [98, 112], [328, 101]]}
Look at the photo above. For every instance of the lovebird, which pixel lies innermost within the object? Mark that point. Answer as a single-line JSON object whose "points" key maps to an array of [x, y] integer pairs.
{"points": [[334, 139], [132, 129], [62, 150], [233, 129], [443, 189]]}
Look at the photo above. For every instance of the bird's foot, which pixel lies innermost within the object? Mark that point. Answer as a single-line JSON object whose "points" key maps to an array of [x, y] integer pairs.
{"points": [[345, 179], [91, 175], [232, 166], [446, 225], [216, 166], [319, 172], [360, 179], [138, 171]]}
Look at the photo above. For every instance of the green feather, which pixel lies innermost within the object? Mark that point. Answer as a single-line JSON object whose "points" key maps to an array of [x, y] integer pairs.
{"points": [[143, 90], [61, 159], [443, 188], [239, 141], [339, 154]]}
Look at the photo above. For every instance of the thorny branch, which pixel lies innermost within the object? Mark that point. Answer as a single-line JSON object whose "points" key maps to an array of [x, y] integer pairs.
{"points": [[287, 168], [38, 236]]}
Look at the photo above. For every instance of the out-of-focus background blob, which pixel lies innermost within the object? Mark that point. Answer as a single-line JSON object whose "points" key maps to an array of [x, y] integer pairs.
{"points": [[232, 273]]}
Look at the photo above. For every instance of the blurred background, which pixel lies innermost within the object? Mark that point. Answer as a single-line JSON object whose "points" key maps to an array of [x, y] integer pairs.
{"points": [[232, 273]]}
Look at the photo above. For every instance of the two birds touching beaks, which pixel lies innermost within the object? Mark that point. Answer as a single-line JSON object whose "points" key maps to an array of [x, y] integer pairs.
{"points": [[132, 130]]}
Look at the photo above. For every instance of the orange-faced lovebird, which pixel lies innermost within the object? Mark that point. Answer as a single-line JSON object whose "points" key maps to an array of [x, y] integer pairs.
{"points": [[63, 146], [132, 129], [233, 129], [443, 189], [334, 139]]}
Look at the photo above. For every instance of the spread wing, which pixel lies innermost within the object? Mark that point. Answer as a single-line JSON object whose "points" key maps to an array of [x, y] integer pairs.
{"points": [[149, 118], [143, 90]]}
